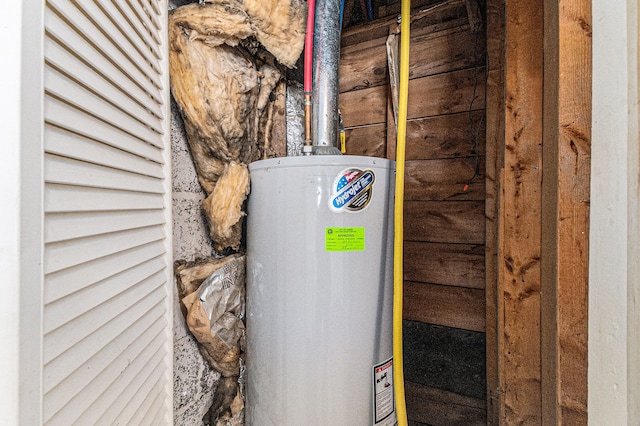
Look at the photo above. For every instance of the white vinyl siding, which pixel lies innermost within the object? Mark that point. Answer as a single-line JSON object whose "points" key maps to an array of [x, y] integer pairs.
{"points": [[106, 319]]}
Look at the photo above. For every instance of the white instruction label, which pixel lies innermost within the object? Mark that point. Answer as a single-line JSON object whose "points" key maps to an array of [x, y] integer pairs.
{"points": [[383, 396]]}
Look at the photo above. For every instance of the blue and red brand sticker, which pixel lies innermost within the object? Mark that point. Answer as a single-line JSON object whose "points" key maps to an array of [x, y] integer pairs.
{"points": [[352, 190]]}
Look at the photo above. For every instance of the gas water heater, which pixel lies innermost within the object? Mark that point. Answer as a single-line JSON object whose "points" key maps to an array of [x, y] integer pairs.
{"points": [[319, 292]]}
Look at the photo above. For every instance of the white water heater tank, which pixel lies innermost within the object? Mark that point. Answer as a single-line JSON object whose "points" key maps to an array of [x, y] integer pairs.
{"points": [[319, 292]]}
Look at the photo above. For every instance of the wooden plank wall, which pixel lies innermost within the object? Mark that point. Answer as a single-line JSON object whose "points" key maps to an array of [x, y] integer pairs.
{"points": [[495, 118], [444, 222], [571, 136], [519, 266], [543, 222], [522, 235]]}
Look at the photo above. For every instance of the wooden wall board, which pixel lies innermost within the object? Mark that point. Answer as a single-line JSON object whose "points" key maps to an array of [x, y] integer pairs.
{"points": [[567, 153], [366, 140], [364, 65], [445, 136], [364, 107], [438, 15], [444, 221], [495, 134], [392, 129], [278, 137], [444, 179], [380, 27], [520, 221], [366, 32], [434, 50], [393, 8], [446, 93], [436, 407], [573, 211], [493, 164], [444, 229], [459, 265], [549, 238], [450, 306]]}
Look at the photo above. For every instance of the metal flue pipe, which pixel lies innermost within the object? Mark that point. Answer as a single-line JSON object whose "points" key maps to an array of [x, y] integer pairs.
{"points": [[307, 148], [326, 58]]}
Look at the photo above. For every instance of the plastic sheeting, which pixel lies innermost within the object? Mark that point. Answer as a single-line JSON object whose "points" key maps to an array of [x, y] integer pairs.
{"points": [[215, 316]]}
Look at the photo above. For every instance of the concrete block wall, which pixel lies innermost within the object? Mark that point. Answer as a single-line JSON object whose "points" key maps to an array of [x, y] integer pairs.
{"points": [[194, 380]]}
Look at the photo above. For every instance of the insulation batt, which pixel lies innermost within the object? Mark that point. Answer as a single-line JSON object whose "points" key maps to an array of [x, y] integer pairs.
{"points": [[215, 314], [280, 26], [223, 206], [223, 93]]}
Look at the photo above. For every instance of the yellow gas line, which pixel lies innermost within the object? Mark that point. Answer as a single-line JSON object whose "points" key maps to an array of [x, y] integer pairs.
{"points": [[398, 374]]}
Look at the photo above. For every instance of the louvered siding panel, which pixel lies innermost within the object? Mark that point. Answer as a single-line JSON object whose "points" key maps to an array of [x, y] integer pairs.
{"points": [[66, 407], [134, 48], [64, 35], [65, 116], [70, 145], [138, 404], [86, 28], [64, 310], [118, 39], [64, 170], [120, 393], [107, 338], [67, 281], [144, 24], [105, 369], [94, 353], [140, 25], [120, 11], [62, 87], [66, 254], [158, 420], [67, 226], [152, 11], [66, 198], [87, 370], [149, 404], [67, 337], [67, 62]]}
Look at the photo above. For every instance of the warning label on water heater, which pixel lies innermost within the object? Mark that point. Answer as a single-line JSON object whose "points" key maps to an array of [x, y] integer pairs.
{"points": [[352, 190], [383, 398]]}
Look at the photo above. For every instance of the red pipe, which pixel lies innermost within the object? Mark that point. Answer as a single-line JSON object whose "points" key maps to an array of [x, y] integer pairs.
{"points": [[308, 74], [308, 47]]}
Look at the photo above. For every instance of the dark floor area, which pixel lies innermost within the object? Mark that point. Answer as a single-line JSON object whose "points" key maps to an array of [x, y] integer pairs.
{"points": [[445, 358]]}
